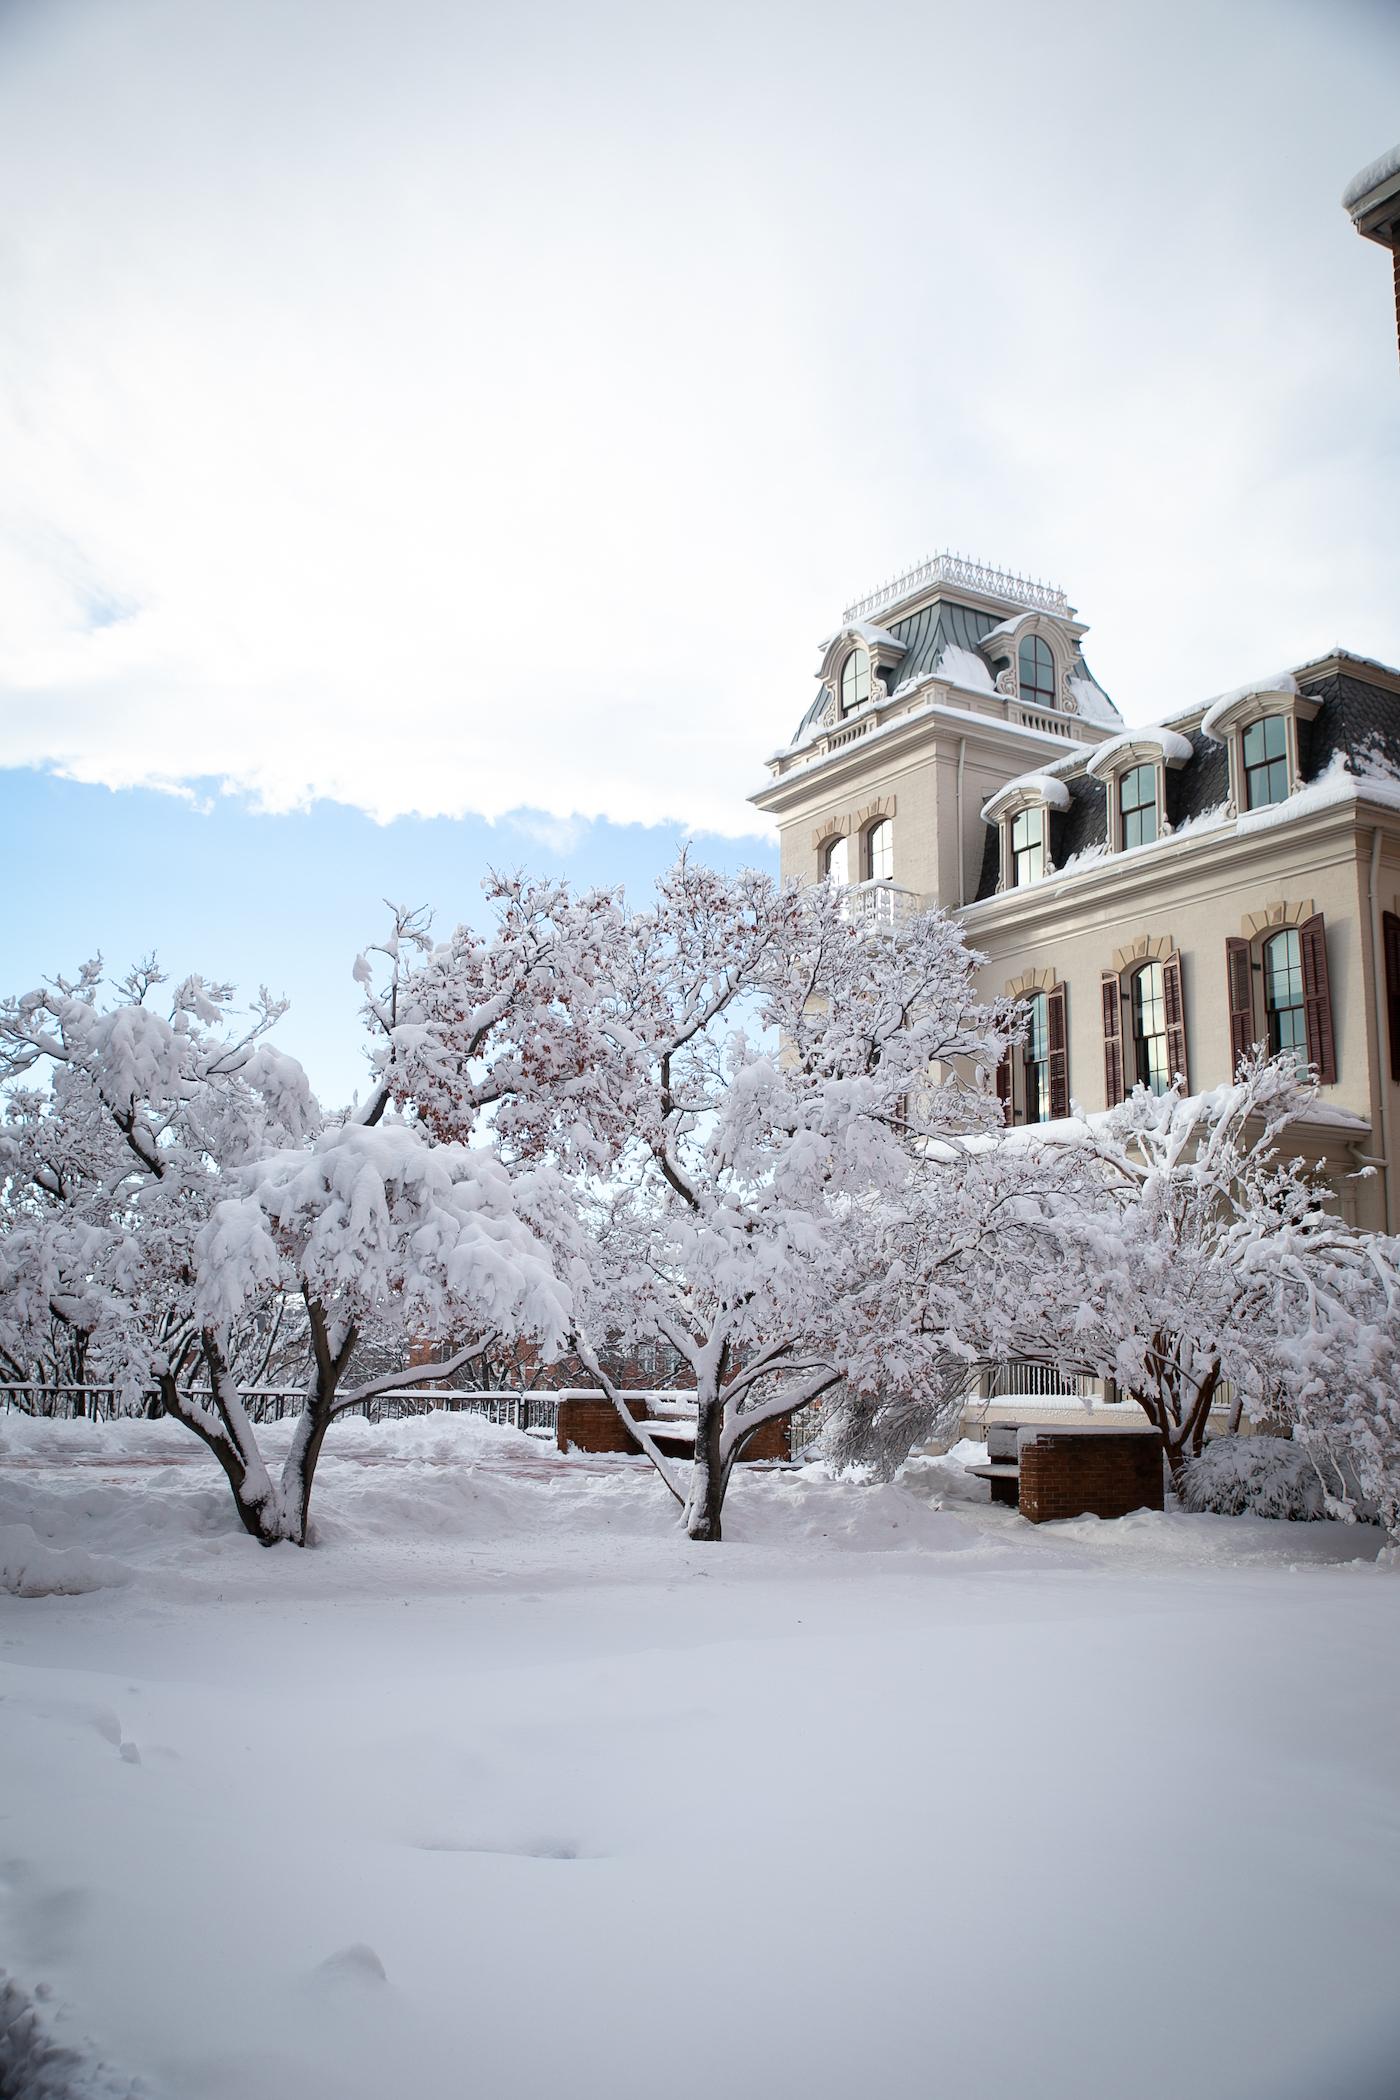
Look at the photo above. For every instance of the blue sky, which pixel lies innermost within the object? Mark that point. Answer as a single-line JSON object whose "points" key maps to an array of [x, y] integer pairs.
{"points": [[417, 414], [216, 887]]}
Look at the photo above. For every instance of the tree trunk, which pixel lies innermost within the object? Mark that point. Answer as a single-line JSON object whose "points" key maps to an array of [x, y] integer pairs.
{"points": [[299, 1471], [708, 1474]]}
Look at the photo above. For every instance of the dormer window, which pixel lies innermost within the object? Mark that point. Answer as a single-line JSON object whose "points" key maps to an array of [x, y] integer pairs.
{"points": [[1261, 727], [1021, 812], [855, 680], [1265, 755], [1134, 768], [1035, 671], [1027, 846], [1137, 805]]}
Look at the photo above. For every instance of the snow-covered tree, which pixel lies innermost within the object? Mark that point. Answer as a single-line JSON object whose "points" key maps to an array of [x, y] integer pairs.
{"points": [[175, 1200], [781, 1074], [1178, 1248]]}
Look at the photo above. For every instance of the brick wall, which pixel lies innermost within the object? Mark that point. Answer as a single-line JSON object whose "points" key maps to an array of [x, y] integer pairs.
{"points": [[1089, 1473], [593, 1425]]}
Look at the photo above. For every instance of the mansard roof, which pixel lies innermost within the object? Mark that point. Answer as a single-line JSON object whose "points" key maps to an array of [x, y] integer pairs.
{"points": [[1356, 717], [955, 621]]}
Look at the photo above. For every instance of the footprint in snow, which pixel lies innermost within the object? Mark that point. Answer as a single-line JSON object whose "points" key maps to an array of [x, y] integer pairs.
{"points": [[357, 1964]]}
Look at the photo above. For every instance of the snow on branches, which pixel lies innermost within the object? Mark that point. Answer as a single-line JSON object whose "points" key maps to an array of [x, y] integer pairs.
{"points": [[778, 1072], [176, 1202]]}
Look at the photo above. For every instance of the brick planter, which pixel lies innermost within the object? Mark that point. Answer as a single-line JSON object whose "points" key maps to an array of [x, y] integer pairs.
{"points": [[593, 1425], [1089, 1473]]}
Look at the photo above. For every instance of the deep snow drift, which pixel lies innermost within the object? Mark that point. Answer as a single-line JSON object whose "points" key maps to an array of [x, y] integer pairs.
{"points": [[506, 1790]]}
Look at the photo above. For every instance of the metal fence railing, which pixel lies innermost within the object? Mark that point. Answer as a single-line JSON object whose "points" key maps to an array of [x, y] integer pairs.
{"points": [[533, 1412]]}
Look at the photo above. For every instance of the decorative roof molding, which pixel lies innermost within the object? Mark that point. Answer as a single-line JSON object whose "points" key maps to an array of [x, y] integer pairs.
{"points": [[1027, 791], [1137, 746], [1278, 695], [973, 576]]}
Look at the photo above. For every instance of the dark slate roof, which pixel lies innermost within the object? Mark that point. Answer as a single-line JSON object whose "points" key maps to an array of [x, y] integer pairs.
{"points": [[928, 632], [1353, 717]]}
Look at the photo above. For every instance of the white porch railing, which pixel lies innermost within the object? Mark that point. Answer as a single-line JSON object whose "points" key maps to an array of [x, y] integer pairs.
{"points": [[879, 904]]}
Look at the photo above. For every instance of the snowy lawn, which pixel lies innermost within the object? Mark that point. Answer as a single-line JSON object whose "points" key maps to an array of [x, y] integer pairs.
{"points": [[505, 1790]]}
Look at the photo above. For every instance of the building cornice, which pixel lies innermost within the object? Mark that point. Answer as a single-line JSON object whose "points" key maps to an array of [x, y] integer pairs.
{"points": [[930, 725]]}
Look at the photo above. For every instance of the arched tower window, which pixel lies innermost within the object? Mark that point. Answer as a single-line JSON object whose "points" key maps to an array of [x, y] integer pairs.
{"points": [[836, 862], [855, 680], [880, 851], [1149, 1012], [1036, 671]]}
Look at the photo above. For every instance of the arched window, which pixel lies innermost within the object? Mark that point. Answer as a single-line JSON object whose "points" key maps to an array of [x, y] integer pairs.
{"points": [[1037, 1059], [855, 680], [1027, 846], [1149, 1011], [836, 863], [1266, 762], [1283, 995], [1137, 805], [1036, 671], [879, 851]]}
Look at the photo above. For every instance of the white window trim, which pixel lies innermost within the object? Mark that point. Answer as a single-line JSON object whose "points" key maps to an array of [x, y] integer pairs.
{"points": [[1230, 724]]}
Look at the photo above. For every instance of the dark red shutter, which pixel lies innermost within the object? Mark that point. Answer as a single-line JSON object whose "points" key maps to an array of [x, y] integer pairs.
{"points": [[1390, 940], [1059, 1051], [1240, 984], [1317, 1000], [1175, 1002], [1112, 1037], [1004, 1086]]}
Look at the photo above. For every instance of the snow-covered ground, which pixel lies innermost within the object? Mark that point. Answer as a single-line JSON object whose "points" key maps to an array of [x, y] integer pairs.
{"points": [[505, 1790]]}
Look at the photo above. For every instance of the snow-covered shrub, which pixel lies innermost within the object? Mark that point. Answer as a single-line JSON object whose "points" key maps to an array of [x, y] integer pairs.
{"points": [[1252, 1476]]}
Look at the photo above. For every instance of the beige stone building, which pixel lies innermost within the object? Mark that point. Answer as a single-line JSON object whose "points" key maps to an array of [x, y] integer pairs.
{"points": [[1161, 896]]}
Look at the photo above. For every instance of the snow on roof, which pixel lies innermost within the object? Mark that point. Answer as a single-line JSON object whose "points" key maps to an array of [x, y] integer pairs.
{"points": [[1277, 682], [1052, 792], [1094, 703], [864, 631], [1371, 177], [960, 667], [1175, 748], [1371, 779], [812, 730], [1209, 1101]]}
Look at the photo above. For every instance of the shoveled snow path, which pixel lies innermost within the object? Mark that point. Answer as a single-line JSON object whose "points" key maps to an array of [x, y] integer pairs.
{"points": [[923, 1800]]}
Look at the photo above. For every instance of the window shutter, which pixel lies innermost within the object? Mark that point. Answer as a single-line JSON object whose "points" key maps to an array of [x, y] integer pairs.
{"points": [[1059, 1051], [1241, 989], [1175, 1002], [1112, 1037], [1390, 938], [1317, 1000], [1004, 1087]]}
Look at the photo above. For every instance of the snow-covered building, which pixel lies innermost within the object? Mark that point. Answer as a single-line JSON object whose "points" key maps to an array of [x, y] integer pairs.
{"points": [[1160, 896], [1373, 199]]}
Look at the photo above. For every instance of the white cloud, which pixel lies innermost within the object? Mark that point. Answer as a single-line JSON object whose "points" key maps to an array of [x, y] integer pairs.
{"points": [[442, 409]]}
